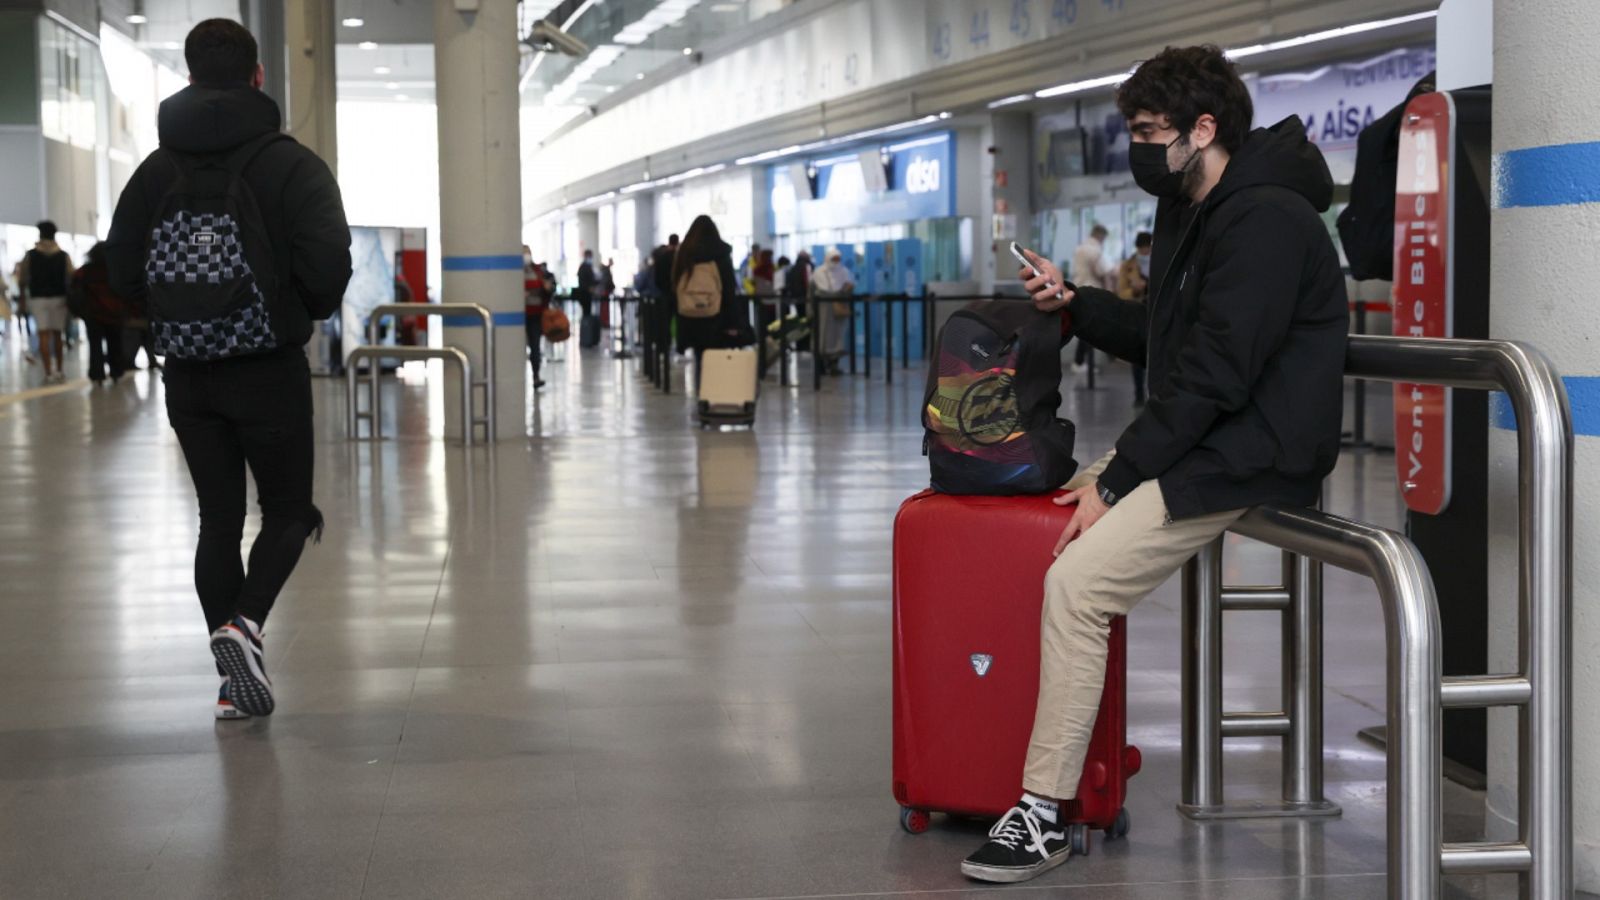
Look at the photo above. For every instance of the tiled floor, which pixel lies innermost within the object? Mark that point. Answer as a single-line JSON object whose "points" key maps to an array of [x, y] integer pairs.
{"points": [[623, 659]]}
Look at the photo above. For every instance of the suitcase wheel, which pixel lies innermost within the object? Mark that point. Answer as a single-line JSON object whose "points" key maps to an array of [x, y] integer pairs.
{"points": [[1119, 828], [914, 821], [1079, 836]]}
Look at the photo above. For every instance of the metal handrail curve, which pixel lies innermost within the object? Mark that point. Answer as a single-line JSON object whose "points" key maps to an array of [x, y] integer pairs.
{"points": [[1411, 615], [373, 415], [1542, 687], [485, 317]]}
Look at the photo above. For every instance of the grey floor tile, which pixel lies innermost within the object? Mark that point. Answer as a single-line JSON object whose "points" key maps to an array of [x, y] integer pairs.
{"points": [[624, 658]]}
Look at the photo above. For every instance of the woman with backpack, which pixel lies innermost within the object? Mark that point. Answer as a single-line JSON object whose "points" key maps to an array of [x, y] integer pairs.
{"points": [[705, 280], [103, 313]]}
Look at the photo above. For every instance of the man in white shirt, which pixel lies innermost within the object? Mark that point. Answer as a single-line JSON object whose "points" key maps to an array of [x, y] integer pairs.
{"points": [[1090, 269]]}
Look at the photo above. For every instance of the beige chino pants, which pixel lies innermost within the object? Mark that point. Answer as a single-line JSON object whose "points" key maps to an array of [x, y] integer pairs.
{"points": [[1104, 573]]}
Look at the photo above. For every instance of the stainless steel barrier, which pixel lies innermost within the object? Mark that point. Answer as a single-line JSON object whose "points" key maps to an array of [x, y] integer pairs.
{"points": [[374, 413], [486, 320], [1417, 692], [1299, 723]]}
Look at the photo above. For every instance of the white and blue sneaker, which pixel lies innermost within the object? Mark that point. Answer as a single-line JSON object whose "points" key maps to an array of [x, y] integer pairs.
{"points": [[237, 647], [226, 711]]}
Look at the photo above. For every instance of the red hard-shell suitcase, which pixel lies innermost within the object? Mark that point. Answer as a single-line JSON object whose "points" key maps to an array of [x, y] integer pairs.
{"points": [[968, 592]]}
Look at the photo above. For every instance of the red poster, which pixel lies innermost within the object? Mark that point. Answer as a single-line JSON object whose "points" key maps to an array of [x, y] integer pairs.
{"points": [[1424, 295]]}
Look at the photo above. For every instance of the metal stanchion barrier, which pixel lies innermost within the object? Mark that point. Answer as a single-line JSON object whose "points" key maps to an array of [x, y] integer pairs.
{"points": [[486, 322], [1417, 690], [374, 412]]}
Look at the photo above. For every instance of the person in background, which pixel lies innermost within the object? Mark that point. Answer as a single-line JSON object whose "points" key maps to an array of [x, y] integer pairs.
{"points": [[1089, 267], [662, 262], [1133, 283], [833, 280], [780, 275], [533, 306], [704, 244], [46, 271], [6, 309], [104, 316], [605, 290], [588, 279], [764, 275], [253, 411]]}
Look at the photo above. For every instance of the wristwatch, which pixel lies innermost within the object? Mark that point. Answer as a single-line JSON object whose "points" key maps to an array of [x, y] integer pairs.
{"points": [[1107, 496]]}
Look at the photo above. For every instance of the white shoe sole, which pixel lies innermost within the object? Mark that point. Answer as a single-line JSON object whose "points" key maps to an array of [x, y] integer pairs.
{"points": [[248, 686], [230, 714], [997, 875]]}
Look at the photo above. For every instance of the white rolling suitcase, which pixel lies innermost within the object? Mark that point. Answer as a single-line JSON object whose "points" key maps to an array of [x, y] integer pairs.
{"points": [[728, 388]]}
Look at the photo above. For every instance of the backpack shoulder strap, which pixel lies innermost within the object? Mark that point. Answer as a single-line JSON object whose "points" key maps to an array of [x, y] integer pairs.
{"points": [[242, 156]]}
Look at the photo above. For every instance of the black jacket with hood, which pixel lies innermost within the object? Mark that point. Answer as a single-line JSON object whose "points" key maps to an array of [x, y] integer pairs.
{"points": [[297, 194], [1244, 335]]}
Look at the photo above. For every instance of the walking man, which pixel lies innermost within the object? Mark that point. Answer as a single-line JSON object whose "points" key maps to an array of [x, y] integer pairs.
{"points": [[233, 286]]}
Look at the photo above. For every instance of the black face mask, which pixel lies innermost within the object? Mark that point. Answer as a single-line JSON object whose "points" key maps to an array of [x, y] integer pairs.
{"points": [[1148, 162]]}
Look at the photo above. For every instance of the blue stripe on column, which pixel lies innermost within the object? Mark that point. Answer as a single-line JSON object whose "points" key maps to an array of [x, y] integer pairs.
{"points": [[1555, 175], [482, 263], [1583, 395], [501, 320]]}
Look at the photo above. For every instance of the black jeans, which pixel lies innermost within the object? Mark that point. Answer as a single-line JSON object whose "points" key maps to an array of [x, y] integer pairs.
{"points": [[535, 331], [105, 351], [256, 412]]}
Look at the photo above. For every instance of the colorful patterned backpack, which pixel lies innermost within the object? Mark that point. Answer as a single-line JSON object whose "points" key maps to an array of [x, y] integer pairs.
{"points": [[990, 409]]}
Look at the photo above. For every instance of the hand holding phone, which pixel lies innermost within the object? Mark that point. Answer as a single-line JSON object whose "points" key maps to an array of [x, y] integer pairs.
{"points": [[1046, 295]]}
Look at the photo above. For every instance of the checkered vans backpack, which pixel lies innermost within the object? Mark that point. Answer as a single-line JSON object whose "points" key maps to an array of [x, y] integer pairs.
{"points": [[210, 266]]}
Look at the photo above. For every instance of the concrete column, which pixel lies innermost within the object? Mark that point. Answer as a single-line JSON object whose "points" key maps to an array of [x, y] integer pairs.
{"points": [[1545, 263], [480, 194], [310, 115]]}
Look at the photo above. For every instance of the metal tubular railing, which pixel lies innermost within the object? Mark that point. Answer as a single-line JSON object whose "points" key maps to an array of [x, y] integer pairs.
{"points": [[1298, 599], [374, 412], [1417, 692], [486, 320]]}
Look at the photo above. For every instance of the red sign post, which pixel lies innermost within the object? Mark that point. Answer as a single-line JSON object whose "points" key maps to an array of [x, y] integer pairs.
{"points": [[1424, 295]]}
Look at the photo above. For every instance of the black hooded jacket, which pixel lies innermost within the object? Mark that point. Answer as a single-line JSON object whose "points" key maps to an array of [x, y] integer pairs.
{"points": [[298, 197], [1244, 335]]}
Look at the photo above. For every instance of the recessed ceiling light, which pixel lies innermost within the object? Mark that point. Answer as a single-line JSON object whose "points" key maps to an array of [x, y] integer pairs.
{"points": [[401, 97], [381, 70], [353, 22], [137, 19], [639, 77], [368, 45], [392, 85], [688, 51], [612, 89]]}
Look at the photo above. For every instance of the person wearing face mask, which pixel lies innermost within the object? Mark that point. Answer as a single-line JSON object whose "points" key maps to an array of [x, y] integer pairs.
{"points": [[1243, 330], [1133, 282]]}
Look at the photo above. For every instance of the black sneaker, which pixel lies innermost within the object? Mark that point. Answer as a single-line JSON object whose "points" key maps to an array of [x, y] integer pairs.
{"points": [[237, 647], [1021, 846]]}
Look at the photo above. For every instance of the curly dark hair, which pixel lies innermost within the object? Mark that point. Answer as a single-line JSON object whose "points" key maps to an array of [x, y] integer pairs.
{"points": [[1185, 83]]}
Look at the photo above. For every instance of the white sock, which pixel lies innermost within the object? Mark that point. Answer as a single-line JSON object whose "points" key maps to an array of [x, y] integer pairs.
{"points": [[1047, 810]]}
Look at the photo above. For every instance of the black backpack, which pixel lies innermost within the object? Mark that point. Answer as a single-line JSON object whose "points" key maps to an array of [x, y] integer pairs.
{"points": [[209, 264], [1366, 227], [990, 408]]}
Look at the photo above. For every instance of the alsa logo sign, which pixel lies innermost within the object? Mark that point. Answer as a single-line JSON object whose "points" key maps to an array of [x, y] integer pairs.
{"points": [[1423, 295], [922, 176]]}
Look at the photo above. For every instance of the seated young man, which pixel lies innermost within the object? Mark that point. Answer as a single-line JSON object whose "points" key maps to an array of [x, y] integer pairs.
{"points": [[1243, 332]]}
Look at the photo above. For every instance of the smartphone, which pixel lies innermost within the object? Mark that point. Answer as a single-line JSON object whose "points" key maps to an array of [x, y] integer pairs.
{"points": [[1016, 250]]}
